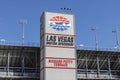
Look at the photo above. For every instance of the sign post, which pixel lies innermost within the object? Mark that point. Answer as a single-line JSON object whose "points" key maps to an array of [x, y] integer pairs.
{"points": [[58, 53]]}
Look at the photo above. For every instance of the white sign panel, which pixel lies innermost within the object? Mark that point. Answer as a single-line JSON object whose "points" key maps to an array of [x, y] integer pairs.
{"points": [[59, 57], [58, 23]]}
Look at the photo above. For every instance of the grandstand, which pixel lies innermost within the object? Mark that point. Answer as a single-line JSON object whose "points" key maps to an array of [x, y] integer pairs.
{"points": [[23, 63], [98, 64], [19, 63]]}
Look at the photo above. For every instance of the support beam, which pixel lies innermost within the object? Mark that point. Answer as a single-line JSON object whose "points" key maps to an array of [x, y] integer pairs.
{"points": [[36, 60], [78, 63], [93, 63], [8, 64], [103, 62], [109, 67], [98, 67], [119, 58], [86, 64], [23, 59]]}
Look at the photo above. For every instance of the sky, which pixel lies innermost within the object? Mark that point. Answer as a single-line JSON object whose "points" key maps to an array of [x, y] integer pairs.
{"points": [[104, 14]]}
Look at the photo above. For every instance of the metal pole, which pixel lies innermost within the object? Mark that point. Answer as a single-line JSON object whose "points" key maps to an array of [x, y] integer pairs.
{"points": [[86, 64], [96, 40], [109, 67], [23, 35], [36, 60], [23, 22], [22, 60], [116, 35], [8, 61], [98, 67]]}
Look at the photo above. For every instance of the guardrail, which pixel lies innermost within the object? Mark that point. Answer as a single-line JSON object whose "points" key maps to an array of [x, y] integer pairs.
{"points": [[33, 44], [99, 49], [94, 76], [15, 43], [19, 75]]}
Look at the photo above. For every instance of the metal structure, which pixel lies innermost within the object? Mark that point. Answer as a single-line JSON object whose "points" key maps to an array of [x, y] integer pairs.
{"points": [[91, 64], [116, 36], [96, 40], [98, 65], [23, 22], [12, 66], [14, 43]]}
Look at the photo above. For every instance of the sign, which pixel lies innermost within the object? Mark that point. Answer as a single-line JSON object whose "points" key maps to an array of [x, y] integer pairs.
{"points": [[58, 53], [60, 62], [59, 23], [59, 40]]}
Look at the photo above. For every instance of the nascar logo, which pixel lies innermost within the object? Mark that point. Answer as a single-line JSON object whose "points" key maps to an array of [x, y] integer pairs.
{"points": [[59, 23]]}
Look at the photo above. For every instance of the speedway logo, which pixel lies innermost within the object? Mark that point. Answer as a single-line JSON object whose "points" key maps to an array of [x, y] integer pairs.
{"points": [[59, 23]]}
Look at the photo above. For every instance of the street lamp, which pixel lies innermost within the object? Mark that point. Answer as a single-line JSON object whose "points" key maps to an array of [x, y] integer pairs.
{"points": [[23, 22], [116, 35], [96, 40]]}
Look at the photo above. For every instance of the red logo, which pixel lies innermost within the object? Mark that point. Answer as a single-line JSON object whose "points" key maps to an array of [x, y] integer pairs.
{"points": [[59, 23]]}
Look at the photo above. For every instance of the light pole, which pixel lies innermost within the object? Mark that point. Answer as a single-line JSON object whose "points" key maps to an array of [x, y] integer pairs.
{"points": [[96, 40], [116, 35], [23, 22]]}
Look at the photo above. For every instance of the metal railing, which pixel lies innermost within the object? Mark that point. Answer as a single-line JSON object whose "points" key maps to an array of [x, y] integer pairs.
{"points": [[99, 49], [33, 44], [15, 43], [94, 76], [18, 75]]}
